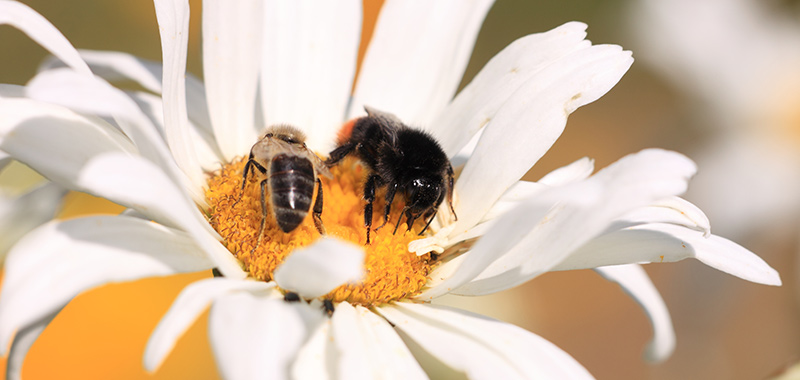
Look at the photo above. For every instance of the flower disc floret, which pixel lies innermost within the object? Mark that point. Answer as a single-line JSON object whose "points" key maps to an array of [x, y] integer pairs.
{"points": [[392, 272]]}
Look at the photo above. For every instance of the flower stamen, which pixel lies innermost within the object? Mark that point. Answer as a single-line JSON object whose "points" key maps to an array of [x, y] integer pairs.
{"points": [[392, 272]]}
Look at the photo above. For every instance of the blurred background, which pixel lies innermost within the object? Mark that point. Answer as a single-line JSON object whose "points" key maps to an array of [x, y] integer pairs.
{"points": [[718, 80]]}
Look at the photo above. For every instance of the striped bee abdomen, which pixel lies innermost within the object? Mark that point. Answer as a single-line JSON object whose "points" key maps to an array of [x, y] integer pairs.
{"points": [[291, 185]]}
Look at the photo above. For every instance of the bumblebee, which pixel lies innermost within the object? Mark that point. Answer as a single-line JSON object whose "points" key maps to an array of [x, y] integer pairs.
{"points": [[402, 159]]}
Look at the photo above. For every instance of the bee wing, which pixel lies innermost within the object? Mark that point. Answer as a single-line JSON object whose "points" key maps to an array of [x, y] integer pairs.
{"points": [[388, 122], [322, 169], [263, 150], [388, 117], [303, 151], [266, 148]]}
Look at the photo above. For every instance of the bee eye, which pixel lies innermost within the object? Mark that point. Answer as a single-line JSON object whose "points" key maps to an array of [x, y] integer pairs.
{"points": [[269, 134]]}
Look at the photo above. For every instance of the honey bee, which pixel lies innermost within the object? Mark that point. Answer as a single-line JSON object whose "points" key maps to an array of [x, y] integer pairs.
{"points": [[403, 159], [288, 170]]}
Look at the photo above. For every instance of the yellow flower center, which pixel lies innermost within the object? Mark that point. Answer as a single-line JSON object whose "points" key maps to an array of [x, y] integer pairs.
{"points": [[392, 272]]}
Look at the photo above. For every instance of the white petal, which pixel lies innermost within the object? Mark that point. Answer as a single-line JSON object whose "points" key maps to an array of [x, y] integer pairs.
{"points": [[197, 106], [316, 270], [515, 194], [40, 30], [192, 301], [316, 360], [310, 50], [518, 192], [22, 343], [463, 155], [254, 337], [634, 281], [5, 159], [117, 66], [481, 347], [55, 262], [526, 125], [417, 56], [510, 200], [95, 96], [524, 243], [205, 147], [134, 182], [658, 242], [496, 83], [29, 128], [231, 61], [173, 26], [19, 215], [11, 91], [134, 214], [672, 210], [144, 187], [369, 348], [576, 171]]}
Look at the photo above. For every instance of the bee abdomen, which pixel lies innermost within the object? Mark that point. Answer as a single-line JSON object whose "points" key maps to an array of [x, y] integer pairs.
{"points": [[292, 187]]}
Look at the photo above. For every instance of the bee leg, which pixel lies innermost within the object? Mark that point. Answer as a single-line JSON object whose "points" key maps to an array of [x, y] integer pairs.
{"points": [[327, 306], [432, 213], [291, 297], [244, 177], [263, 214], [339, 153], [247, 168], [317, 215], [400, 219], [369, 196], [410, 219], [389, 199], [450, 190]]}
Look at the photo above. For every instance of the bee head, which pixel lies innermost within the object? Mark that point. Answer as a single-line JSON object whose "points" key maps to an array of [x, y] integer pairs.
{"points": [[424, 193], [286, 133]]}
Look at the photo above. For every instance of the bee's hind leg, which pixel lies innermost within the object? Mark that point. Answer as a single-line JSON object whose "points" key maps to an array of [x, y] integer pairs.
{"points": [[317, 211], [263, 214]]}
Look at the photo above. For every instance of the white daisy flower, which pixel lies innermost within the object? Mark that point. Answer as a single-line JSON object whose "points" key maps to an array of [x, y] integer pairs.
{"points": [[272, 63]]}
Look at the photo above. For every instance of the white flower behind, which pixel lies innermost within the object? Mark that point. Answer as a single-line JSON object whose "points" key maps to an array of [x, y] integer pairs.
{"points": [[738, 61]]}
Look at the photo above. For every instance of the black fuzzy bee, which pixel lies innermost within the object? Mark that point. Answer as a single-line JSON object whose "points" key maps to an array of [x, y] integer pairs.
{"points": [[405, 160], [289, 171]]}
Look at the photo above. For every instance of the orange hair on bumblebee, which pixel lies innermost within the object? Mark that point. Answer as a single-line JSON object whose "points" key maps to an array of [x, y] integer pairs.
{"points": [[345, 131]]}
